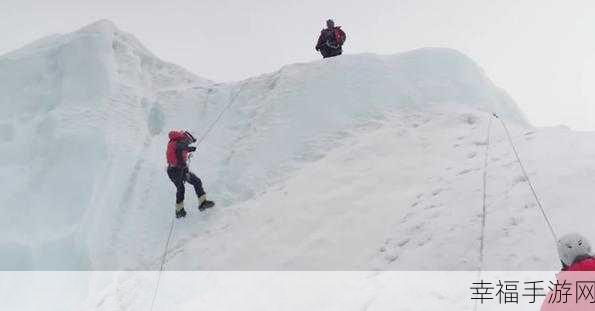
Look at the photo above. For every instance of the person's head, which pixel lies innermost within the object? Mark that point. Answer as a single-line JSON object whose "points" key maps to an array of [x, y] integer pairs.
{"points": [[571, 247], [189, 137], [330, 23]]}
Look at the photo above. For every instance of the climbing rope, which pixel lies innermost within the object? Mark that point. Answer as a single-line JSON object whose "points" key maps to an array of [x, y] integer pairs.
{"points": [[484, 198], [545, 216], [172, 226], [484, 202], [210, 128], [171, 229]]}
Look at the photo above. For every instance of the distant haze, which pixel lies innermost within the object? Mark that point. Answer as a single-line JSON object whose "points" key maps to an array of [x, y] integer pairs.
{"points": [[541, 51]]}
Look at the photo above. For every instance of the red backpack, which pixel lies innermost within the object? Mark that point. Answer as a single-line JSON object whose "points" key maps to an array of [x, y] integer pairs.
{"points": [[174, 138], [340, 35]]}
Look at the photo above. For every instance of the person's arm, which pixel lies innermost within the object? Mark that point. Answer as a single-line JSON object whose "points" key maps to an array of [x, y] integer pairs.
{"points": [[182, 146], [320, 42], [343, 36]]}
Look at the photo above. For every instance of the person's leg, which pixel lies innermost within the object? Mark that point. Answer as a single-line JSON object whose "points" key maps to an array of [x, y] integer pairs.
{"points": [[335, 52], [176, 175], [197, 183], [203, 203]]}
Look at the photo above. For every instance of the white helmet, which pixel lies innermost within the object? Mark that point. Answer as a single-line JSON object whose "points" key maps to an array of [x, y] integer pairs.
{"points": [[572, 246]]}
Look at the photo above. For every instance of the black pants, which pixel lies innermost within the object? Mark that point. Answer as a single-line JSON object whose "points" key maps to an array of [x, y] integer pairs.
{"points": [[327, 52], [180, 175]]}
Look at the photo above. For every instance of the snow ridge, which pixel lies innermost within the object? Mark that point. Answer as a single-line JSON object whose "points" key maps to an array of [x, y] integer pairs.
{"points": [[84, 123]]}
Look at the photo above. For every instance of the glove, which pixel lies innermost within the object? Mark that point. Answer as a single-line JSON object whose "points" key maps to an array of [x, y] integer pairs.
{"points": [[191, 148]]}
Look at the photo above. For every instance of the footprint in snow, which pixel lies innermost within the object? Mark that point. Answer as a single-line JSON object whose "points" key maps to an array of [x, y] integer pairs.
{"points": [[388, 252], [435, 215], [514, 221], [519, 179], [431, 206], [416, 228], [469, 119], [424, 241], [403, 243], [406, 218], [509, 164], [390, 258], [437, 191], [465, 171]]}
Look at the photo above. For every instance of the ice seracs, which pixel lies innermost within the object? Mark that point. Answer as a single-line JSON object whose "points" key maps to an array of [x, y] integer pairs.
{"points": [[84, 119]]}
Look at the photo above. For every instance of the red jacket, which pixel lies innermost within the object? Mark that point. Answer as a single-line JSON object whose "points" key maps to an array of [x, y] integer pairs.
{"points": [[587, 264], [177, 149], [334, 36], [582, 270]]}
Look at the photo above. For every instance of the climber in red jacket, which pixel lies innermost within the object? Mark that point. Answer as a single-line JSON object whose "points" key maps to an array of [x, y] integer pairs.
{"points": [[578, 265], [575, 253], [331, 39], [178, 151]]}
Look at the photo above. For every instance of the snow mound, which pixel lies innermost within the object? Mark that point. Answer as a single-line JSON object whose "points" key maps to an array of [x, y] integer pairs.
{"points": [[84, 124], [75, 110]]}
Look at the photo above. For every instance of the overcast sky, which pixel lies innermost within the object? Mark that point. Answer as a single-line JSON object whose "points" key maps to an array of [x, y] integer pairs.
{"points": [[541, 51]]}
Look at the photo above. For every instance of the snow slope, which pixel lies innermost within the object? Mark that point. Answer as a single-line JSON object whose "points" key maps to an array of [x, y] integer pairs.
{"points": [[357, 162], [254, 290], [401, 193]]}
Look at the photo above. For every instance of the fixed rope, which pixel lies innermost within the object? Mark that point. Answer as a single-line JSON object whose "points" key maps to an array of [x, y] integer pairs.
{"points": [[484, 198], [210, 128], [537, 200], [172, 226], [484, 202], [171, 229]]}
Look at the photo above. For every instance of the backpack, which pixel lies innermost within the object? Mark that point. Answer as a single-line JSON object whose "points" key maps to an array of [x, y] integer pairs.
{"points": [[340, 35], [174, 138]]}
